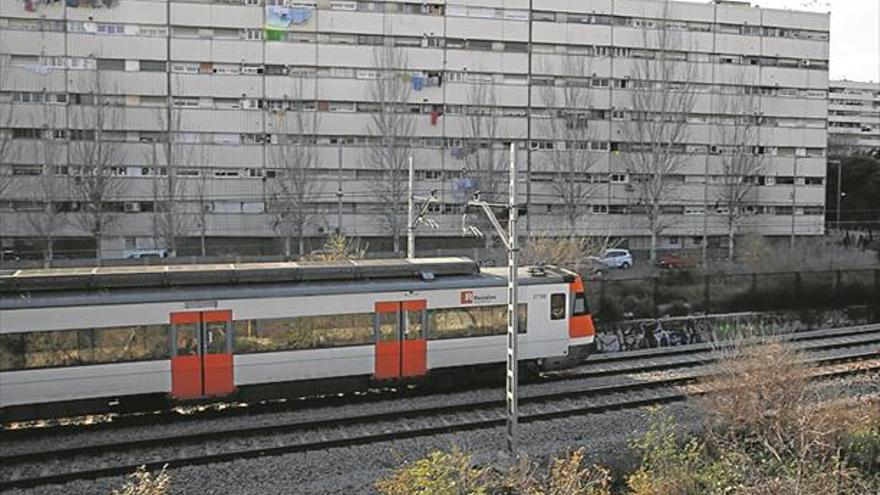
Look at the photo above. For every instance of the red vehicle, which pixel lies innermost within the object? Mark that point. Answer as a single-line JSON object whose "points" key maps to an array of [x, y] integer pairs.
{"points": [[677, 261]]}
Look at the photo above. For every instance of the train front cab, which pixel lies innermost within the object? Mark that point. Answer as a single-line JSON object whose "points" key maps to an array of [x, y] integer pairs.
{"points": [[581, 331]]}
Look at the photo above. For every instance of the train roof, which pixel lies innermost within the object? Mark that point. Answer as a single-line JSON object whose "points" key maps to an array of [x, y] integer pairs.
{"points": [[119, 277], [37, 288]]}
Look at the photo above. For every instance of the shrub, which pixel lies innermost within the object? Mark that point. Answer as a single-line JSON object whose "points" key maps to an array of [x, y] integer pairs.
{"points": [[667, 468], [441, 473], [453, 473], [762, 413]]}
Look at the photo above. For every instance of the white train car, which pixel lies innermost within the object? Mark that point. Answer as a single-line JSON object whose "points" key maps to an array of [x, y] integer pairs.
{"points": [[131, 338]]}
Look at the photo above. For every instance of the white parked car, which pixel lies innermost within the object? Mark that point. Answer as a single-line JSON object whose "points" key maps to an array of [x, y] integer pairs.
{"points": [[138, 254], [615, 258]]}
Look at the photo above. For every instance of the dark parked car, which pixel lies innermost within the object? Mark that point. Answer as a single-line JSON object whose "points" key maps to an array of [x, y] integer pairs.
{"points": [[677, 260]]}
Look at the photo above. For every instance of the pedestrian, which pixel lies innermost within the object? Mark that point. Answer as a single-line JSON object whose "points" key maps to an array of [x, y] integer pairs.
{"points": [[846, 240]]}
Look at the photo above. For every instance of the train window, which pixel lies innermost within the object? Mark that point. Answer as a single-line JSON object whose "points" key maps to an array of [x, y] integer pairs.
{"points": [[83, 347], [475, 321], [11, 351], [303, 332], [557, 306], [579, 305], [387, 326]]}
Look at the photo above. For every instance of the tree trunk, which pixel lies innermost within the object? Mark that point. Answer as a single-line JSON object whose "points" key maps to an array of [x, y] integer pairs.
{"points": [[98, 237], [302, 243], [654, 222], [731, 235], [202, 239], [287, 246], [653, 257], [50, 252], [396, 240]]}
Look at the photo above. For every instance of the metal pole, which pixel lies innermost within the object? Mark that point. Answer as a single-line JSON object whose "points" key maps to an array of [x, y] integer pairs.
{"points": [[839, 192], [410, 228], [793, 203], [339, 193], [512, 381]]}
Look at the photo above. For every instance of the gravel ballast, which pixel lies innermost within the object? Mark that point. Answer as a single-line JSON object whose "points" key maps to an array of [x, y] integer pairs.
{"points": [[354, 470]]}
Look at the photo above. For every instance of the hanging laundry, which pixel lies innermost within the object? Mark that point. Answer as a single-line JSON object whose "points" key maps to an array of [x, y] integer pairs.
{"points": [[274, 35], [39, 68], [417, 82], [435, 115], [29, 5], [281, 17]]}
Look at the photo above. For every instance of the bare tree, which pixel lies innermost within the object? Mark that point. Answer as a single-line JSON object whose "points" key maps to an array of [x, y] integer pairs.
{"points": [[485, 165], [199, 190], [95, 164], [568, 252], [170, 220], [391, 128], [7, 121], [48, 191], [741, 162], [569, 121], [661, 100], [337, 247], [842, 145], [292, 192]]}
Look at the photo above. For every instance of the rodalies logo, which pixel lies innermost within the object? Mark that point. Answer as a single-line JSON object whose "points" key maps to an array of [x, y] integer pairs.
{"points": [[469, 297]]}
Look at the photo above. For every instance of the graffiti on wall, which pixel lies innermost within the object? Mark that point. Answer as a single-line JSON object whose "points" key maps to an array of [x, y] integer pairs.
{"points": [[681, 330]]}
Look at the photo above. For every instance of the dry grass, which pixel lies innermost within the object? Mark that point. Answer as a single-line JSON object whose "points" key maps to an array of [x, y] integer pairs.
{"points": [[764, 414], [454, 473], [761, 389], [143, 482], [566, 475]]}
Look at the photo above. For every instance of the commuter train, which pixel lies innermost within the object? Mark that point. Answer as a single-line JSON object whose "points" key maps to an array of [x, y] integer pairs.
{"points": [[90, 340]]}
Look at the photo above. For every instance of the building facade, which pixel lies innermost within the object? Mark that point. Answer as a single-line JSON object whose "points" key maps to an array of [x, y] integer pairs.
{"points": [[854, 116], [162, 123]]}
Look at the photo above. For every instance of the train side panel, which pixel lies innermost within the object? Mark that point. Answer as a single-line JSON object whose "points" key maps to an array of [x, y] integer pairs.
{"points": [[83, 382], [546, 337], [265, 367]]}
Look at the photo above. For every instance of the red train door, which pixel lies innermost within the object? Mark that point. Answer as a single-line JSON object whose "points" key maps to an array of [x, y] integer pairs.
{"points": [[401, 348], [201, 358]]}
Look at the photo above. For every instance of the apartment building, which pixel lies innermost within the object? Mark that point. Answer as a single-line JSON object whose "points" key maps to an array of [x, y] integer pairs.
{"points": [[240, 121], [854, 116]]}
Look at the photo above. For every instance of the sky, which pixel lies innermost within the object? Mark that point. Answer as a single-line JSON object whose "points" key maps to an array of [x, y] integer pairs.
{"points": [[855, 34]]}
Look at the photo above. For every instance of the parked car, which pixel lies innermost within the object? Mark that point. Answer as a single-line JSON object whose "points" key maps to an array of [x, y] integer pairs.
{"points": [[615, 258], [138, 254], [676, 261]]}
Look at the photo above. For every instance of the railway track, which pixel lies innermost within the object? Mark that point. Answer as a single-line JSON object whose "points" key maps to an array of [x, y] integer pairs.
{"points": [[672, 378], [607, 364]]}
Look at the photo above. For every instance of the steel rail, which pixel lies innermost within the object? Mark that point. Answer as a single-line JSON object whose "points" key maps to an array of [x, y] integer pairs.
{"points": [[665, 385]]}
